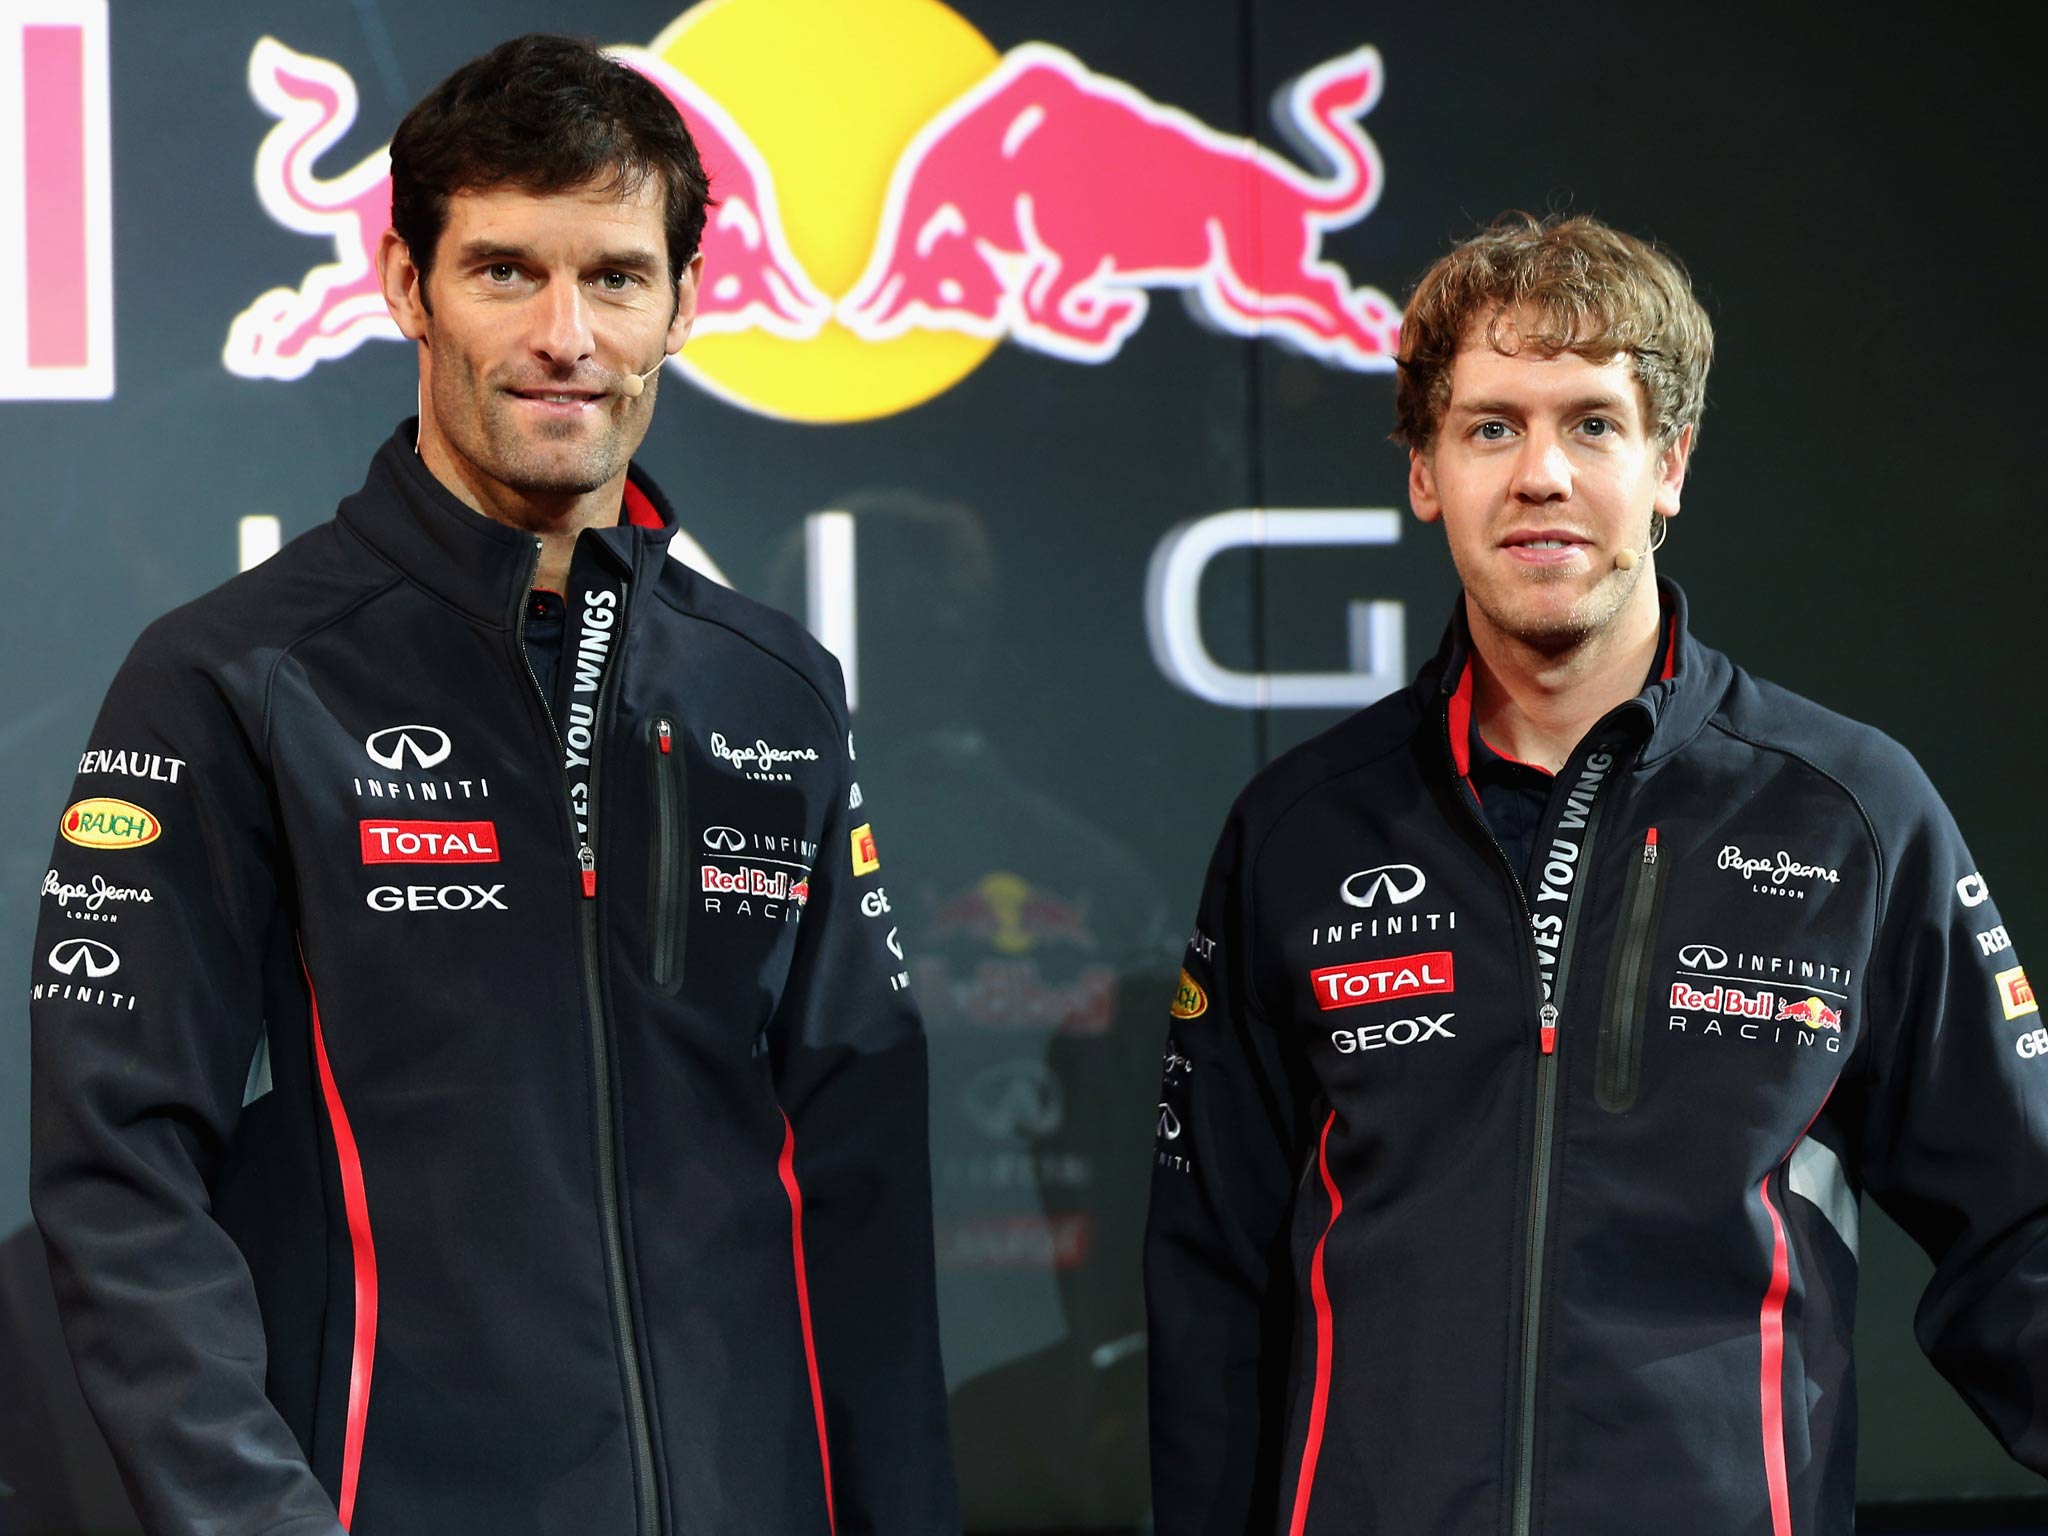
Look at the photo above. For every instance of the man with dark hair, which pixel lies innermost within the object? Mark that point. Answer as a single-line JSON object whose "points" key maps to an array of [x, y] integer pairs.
{"points": [[1543, 1022], [486, 1099]]}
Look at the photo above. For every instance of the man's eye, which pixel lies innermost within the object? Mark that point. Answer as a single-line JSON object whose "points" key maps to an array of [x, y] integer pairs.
{"points": [[1492, 431], [1597, 426], [501, 271], [615, 282]]}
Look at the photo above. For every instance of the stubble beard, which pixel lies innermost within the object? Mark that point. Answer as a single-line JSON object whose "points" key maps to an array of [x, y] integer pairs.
{"points": [[545, 458], [1519, 609]]}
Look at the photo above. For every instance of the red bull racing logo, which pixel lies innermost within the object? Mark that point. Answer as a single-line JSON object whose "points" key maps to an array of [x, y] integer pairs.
{"points": [[1012, 915], [1813, 1013], [895, 199]]}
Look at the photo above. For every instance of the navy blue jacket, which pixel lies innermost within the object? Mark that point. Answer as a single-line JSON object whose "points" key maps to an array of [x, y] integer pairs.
{"points": [[461, 1111], [1484, 1207]]}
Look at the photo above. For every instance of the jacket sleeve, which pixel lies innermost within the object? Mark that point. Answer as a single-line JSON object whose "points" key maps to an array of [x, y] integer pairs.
{"points": [[1229, 1147], [146, 1007], [851, 1079], [1956, 1139]]}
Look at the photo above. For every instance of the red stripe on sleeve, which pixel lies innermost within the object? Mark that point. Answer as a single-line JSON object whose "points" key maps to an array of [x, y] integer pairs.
{"points": [[1771, 1327], [787, 1168], [356, 1203], [1319, 1405]]}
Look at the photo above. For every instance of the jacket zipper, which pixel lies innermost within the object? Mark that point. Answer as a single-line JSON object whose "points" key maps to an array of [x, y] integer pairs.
{"points": [[1547, 1016], [671, 913], [1621, 1033], [600, 1053]]}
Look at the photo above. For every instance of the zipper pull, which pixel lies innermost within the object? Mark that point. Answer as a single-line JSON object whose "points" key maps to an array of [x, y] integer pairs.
{"points": [[661, 736], [588, 862], [1650, 847], [1548, 1015]]}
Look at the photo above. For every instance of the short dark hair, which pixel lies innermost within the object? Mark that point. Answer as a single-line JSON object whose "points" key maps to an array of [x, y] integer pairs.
{"points": [[543, 113], [1559, 285]]}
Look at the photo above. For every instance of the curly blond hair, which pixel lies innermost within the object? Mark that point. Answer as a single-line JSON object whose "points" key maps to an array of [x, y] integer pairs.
{"points": [[1558, 285]]}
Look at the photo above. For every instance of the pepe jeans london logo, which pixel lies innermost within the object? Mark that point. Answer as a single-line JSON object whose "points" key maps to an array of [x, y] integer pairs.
{"points": [[758, 760], [1778, 875]]}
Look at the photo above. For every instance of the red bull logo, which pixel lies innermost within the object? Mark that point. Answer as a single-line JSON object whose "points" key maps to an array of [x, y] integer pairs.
{"points": [[895, 199], [1045, 203], [1012, 915], [1813, 1013]]}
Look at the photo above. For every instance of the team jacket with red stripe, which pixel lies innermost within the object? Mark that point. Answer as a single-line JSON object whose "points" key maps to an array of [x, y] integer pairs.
{"points": [[453, 1113], [1484, 1207]]}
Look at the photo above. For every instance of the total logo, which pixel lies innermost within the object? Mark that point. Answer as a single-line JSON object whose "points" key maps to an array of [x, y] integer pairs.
{"points": [[963, 197], [1396, 884], [429, 842], [83, 962], [1382, 981], [436, 898], [110, 824], [409, 749], [1378, 1037]]}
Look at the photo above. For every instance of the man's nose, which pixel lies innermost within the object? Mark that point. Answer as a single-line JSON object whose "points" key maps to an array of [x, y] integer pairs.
{"points": [[1542, 470], [562, 331]]}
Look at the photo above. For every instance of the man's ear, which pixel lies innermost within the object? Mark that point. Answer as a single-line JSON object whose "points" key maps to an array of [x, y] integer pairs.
{"points": [[1671, 473], [686, 304], [404, 288], [1422, 494]]}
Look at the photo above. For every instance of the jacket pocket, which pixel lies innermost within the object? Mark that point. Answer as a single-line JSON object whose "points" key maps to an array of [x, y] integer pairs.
{"points": [[668, 901], [1625, 1010]]}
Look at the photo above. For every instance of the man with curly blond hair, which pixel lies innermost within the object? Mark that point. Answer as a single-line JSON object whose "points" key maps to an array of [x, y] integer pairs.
{"points": [[1543, 1023]]}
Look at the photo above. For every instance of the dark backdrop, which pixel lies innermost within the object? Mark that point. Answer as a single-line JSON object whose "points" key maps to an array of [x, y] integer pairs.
{"points": [[1856, 195]]}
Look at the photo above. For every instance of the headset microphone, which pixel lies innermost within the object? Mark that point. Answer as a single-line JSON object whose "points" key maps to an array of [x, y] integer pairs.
{"points": [[1624, 560], [634, 384]]}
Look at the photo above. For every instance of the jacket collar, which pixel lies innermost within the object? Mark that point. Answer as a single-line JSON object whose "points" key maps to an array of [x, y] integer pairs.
{"points": [[1670, 711], [482, 567]]}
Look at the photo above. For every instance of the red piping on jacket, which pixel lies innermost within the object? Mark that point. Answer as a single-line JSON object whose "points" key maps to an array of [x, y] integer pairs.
{"points": [[1320, 1403], [787, 1168], [364, 1352], [640, 511], [1771, 1333], [1458, 719]]}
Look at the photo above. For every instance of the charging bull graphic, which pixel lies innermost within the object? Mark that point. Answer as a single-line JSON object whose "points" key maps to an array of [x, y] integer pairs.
{"points": [[751, 279], [1047, 200], [1045, 204]]}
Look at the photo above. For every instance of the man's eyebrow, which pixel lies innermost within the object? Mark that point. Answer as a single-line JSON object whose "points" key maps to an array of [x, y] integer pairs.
{"points": [[473, 251], [1578, 407], [634, 259]]}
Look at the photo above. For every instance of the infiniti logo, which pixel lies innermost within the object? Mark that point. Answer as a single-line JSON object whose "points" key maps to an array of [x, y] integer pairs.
{"points": [[1019, 1099], [72, 953], [1703, 957], [724, 839], [1390, 880], [389, 747]]}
